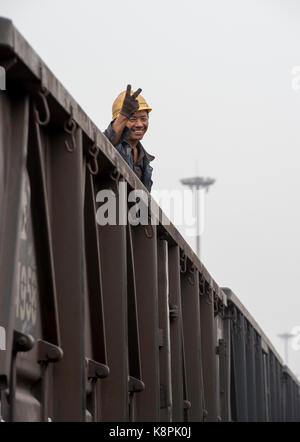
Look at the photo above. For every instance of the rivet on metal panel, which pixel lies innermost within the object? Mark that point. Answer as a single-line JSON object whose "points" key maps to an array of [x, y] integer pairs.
{"points": [[43, 94], [93, 152], [186, 404], [183, 261], [70, 128], [22, 342], [173, 311]]}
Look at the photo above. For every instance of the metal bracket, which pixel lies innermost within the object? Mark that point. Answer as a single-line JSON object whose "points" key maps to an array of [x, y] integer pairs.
{"points": [[135, 385], [70, 127], [48, 352], [43, 94], [94, 152], [96, 370], [21, 343]]}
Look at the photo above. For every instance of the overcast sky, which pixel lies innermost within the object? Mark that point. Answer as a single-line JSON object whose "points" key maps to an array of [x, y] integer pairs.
{"points": [[218, 75]]}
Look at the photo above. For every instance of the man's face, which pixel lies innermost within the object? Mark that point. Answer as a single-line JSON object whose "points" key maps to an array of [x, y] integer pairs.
{"points": [[138, 124]]}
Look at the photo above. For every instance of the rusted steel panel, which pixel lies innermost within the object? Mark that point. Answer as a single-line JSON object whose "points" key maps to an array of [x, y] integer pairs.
{"points": [[294, 402], [65, 176], [145, 262], [209, 358], [251, 373], [14, 114], [224, 344], [267, 385], [134, 354], [34, 320], [289, 400], [222, 327], [164, 330], [190, 302], [113, 254], [19, 370], [224, 381], [279, 391], [239, 366], [176, 334], [273, 414], [95, 339], [260, 380]]}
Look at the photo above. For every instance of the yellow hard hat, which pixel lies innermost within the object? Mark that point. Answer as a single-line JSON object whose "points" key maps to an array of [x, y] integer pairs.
{"points": [[117, 104]]}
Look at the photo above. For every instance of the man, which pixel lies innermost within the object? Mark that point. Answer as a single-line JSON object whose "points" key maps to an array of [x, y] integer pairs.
{"points": [[127, 129]]}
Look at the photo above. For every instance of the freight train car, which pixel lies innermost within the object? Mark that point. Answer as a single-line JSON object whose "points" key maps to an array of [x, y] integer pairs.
{"points": [[108, 322]]}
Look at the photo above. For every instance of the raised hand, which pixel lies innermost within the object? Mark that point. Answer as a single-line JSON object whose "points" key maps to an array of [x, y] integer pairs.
{"points": [[130, 104]]}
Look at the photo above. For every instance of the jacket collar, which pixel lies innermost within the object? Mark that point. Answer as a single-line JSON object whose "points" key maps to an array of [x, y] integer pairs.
{"points": [[125, 135]]}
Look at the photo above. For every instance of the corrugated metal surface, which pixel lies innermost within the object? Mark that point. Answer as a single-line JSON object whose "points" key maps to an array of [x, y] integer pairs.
{"points": [[108, 323]]}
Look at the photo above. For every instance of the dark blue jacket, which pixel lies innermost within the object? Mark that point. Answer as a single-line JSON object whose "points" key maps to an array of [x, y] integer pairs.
{"points": [[142, 168]]}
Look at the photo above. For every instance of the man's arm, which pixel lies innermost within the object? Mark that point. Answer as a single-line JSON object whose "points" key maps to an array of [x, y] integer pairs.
{"points": [[118, 126]]}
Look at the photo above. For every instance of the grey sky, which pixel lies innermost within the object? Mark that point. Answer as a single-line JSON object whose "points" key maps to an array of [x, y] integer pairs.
{"points": [[218, 75]]}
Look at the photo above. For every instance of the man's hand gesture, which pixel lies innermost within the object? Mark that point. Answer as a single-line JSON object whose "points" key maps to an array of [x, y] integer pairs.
{"points": [[130, 103]]}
